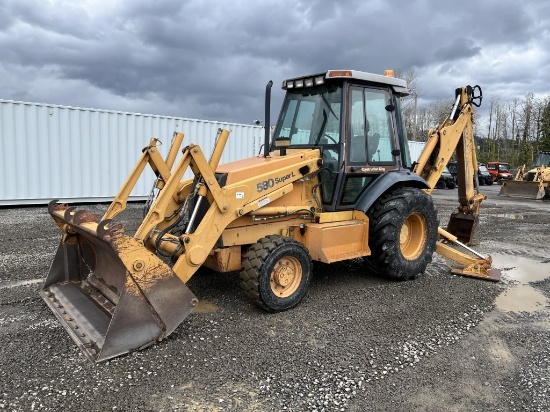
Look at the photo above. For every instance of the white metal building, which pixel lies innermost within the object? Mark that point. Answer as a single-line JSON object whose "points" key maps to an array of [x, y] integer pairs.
{"points": [[78, 155], [84, 155], [415, 149]]}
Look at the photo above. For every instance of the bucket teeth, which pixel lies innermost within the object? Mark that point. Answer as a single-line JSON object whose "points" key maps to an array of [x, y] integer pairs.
{"points": [[102, 228], [68, 214], [106, 230], [53, 206]]}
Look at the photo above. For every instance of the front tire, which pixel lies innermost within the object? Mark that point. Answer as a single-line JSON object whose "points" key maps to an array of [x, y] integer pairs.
{"points": [[276, 273], [403, 233]]}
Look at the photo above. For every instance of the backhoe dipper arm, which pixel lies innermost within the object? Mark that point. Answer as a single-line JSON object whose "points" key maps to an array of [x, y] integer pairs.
{"points": [[456, 134]]}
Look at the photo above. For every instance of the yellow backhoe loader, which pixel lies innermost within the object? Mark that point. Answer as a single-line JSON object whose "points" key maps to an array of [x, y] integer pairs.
{"points": [[533, 184], [334, 182]]}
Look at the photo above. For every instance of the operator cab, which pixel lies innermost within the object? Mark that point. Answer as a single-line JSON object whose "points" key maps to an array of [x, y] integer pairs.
{"points": [[543, 159], [355, 119]]}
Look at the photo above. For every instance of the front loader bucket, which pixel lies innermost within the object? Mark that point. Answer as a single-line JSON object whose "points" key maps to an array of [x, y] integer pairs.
{"points": [[110, 293], [521, 188]]}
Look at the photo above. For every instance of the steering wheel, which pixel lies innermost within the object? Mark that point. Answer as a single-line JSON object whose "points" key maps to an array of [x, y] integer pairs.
{"points": [[332, 139]]}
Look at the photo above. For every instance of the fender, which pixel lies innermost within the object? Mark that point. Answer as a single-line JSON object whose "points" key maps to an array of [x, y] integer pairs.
{"points": [[387, 181]]}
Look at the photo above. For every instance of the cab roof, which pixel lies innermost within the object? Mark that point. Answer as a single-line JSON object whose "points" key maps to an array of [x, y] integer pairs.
{"points": [[398, 85]]}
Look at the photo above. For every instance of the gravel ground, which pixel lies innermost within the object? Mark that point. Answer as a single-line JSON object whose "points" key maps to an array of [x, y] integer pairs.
{"points": [[355, 343]]}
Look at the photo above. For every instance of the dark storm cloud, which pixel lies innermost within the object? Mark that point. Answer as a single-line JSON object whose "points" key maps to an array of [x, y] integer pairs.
{"points": [[212, 59], [458, 49]]}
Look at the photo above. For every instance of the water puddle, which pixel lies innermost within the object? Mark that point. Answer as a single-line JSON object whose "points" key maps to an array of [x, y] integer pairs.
{"points": [[16, 283], [205, 306], [522, 297], [512, 216]]}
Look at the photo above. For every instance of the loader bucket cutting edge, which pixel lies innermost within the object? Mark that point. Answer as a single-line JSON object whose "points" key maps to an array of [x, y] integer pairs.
{"points": [[110, 293]]}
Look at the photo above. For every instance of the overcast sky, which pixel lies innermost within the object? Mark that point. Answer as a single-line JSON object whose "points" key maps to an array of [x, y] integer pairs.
{"points": [[212, 59]]}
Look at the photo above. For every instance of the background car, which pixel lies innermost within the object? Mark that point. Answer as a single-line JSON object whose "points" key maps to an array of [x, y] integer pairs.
{"points": [[484, 176], [500, 171], [446, 180], [453, 169]]}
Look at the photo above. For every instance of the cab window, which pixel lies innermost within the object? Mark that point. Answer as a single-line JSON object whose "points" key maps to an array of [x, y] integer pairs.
{"points": [[311, 116], [370, 137]]}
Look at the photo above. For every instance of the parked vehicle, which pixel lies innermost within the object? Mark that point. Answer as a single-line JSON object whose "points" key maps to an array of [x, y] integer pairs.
{"points": [[531, 184], [453, 170], [484, 177], [500, 171], [446, 180]]}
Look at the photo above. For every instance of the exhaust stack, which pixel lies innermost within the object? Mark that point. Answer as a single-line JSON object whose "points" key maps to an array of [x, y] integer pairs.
{"points": [[267, 122]]}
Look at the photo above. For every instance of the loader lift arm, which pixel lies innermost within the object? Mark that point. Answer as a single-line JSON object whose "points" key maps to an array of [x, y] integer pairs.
{"points": [[455, 134]]}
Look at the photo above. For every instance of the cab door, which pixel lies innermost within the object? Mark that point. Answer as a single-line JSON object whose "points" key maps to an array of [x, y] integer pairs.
{"points": [[370, 140]]}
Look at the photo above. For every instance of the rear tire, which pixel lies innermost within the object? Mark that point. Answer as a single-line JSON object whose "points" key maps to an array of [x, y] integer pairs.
{"points": [[276, 273], [403, 233], [440, 184]]}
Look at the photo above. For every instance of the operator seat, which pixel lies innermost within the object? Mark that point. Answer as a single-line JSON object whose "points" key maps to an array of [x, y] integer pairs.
{"points": [[358, 146], [358, 152]]}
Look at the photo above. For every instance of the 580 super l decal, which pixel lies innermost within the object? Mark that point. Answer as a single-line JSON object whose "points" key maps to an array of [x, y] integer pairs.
{"points": [[269, 183]]}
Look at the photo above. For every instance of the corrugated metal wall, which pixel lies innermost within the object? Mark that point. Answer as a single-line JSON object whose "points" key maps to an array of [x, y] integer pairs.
{"points": [[78, 155], [415, 149]]}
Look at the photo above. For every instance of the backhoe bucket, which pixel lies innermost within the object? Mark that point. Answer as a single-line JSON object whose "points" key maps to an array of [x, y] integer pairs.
{"points": [[465, 226], [521, 188], [110, 293]]}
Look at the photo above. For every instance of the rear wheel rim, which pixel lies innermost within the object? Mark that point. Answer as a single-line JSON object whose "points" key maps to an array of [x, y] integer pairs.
{"points": [[286, 276], [413, 236]]}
